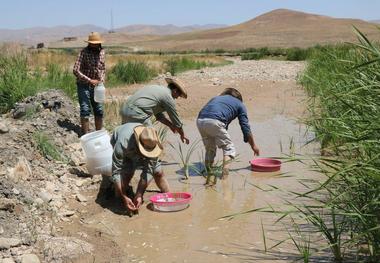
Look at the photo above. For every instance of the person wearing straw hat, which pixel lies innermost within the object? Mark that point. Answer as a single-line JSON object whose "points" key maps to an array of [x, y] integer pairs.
{"points": [[213, 121], [154, 100], [136, 147], [89, 70]]}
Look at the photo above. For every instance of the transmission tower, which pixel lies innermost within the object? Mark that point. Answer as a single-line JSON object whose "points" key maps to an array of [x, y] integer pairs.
{"points": [[112, 30]]}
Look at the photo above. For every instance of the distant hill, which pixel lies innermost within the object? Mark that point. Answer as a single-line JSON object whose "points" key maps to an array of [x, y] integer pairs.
{"points": [[35, 35], [375, 21], [278, 28], [164, 29]]}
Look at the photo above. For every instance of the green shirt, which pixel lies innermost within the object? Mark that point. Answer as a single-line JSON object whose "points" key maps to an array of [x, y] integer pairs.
{"points": [[151, 100], [126, 157]]}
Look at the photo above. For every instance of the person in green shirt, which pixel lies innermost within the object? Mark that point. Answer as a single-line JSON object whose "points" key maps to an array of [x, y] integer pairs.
{"points": [[136, 147], [154, 100]]}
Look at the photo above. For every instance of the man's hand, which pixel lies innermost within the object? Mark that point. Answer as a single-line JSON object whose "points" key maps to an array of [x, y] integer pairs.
{"points": [[256, 150], [128, 203], [184, 139], [138, 201], [94, 82]]}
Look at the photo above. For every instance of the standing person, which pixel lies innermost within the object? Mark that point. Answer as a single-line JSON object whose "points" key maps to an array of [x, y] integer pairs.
{"points": [[155, 100], [136, 146], [213, 121], [89, 70]]}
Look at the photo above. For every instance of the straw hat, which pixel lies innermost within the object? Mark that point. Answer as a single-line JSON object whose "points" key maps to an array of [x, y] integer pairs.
{"points": [[94, 38], [179, 85], [147, 141]]}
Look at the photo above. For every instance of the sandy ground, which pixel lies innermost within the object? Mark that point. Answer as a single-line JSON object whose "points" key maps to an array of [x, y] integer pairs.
{"points": [[274, 102]]}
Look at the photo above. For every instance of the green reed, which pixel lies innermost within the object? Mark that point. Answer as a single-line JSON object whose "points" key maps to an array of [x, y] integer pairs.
{"points": [[343, 84]]}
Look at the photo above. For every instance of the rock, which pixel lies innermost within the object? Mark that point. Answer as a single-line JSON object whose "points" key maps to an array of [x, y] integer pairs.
{"points": [[75, 146], [3, 172], [63, 179], [15, 191], [7, 204], [50, 187], [81, 198], [7, 260], [1, 230], [30, 258], [15, 251], [97, 178], [3, 128], [79, 183], [56, 203], [22, 170], [68, 213], [45, 196], [6, 243], [79, 171], [75, 160], [65, 249], [38, 201]]}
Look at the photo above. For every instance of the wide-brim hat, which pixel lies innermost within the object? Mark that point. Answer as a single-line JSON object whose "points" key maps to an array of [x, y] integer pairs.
{"points": [[94, 38], [179, 85], [148, 142]]}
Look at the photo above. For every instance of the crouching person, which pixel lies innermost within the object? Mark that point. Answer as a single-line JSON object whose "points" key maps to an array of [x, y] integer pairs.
{"points": [[213, 121], [136, 147]]}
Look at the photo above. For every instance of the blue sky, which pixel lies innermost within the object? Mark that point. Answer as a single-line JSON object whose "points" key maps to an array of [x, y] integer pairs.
{"points": [[15, 14]]}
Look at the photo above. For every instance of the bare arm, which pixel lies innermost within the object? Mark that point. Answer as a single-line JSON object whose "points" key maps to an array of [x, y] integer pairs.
{"points": [[161, 118], [120, 189], [160, 181], [251, 142]]}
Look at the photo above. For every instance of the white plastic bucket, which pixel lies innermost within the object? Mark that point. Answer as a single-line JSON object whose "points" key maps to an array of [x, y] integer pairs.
{"points": [[98, 151]]}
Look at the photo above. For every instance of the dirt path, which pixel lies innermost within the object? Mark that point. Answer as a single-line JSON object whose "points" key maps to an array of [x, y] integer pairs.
{"points": [[274, 101]]}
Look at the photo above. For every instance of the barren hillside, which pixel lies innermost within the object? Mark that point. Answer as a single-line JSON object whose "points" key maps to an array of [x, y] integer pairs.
{"points": [[278, 28]]}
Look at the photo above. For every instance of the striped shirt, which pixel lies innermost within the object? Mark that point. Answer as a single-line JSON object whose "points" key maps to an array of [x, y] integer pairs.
{"points": [[90, 65]]}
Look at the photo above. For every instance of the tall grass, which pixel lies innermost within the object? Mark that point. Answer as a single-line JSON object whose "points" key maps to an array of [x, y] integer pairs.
{"points": [[291, 54], [18, 80], [177, 65], [343, 83], [130, 72], [344, 88], [15, 81]]}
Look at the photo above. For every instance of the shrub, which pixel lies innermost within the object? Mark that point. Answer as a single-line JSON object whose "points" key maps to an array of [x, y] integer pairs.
{"points": [[15, 82], [252, 56], [297, 54], [130, 72], [177, 65], [46, 147]]}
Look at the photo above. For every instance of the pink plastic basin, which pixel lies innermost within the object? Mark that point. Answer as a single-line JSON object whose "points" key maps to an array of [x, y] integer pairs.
{"points": [[265, 165], [169, 202]]}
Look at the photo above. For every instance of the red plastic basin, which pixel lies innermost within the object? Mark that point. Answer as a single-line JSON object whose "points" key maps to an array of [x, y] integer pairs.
{"points": [[169, 202], [265, 165]]}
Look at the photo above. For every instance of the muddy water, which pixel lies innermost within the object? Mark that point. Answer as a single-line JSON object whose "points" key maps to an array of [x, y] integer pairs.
{"points": [[196, 234]]}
